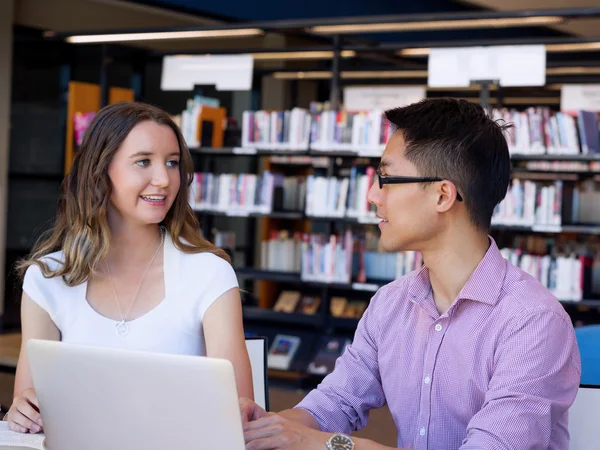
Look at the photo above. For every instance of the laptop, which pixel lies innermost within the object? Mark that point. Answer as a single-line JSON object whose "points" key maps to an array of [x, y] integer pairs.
{"points": [[584, 416], [97, 398]]}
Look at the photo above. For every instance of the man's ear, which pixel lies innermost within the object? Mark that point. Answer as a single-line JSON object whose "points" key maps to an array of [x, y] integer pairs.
{"points": [[446, 195]]}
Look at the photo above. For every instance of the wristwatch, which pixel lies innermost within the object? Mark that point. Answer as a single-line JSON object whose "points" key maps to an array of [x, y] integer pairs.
{"points": [[340, 442]]}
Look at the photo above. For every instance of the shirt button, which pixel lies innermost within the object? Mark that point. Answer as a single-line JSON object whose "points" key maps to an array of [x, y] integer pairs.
{"points": [[438, 327], [422, 431], [427, 380]]}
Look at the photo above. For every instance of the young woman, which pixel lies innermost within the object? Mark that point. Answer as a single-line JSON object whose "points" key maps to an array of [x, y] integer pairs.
{"points": [[125, 265]]}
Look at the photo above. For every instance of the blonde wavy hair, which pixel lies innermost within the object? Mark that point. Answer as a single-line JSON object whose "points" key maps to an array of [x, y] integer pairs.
{"points": [[81, 228]]}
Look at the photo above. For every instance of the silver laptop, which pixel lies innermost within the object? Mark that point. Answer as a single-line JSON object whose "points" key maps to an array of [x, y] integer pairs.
{"points": [[97, 399]]}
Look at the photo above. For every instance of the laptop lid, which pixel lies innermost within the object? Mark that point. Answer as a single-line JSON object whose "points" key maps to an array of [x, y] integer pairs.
{"points": [[99, 398], [584, 417]]}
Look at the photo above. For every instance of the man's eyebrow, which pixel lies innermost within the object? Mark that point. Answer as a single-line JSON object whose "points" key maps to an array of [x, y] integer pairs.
{"points": [[383, 164]]}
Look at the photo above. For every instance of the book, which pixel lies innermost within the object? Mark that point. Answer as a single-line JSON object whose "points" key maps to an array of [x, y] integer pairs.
{"points": [[287, 301], [330, 349], [282, 351], [309, 304], [338, 306], [530, 203], [589, 134], [281, 252], [567, 276], [355, 309], [11, 440], [537, 131], [276, 130]]}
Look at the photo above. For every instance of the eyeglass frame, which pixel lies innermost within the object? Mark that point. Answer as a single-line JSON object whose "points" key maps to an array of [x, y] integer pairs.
{"points": [[384, 179]]}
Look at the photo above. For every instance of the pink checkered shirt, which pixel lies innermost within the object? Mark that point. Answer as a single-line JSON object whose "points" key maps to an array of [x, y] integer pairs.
{"points": [[498, 370]]}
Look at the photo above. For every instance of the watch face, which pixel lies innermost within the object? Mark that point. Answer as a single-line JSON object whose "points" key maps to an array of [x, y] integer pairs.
{"points": [[341, 442]]}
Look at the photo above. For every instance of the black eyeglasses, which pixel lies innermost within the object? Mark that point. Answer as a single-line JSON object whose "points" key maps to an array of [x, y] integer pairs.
{"points": [[404, 180]]}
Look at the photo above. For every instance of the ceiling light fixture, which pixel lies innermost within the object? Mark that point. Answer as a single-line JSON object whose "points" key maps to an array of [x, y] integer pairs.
{"points": [[325, 54], [550, 48], [573, 71], [391, 74], [507, 22], [413, 52], [311, 75], [575, 47], [357, 74], [126, 37]]}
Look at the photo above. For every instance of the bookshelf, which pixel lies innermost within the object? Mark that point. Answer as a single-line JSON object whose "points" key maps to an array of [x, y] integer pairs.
{"points": [[86, 98], [579, 229], [578, 157], [298, 160], [262, 319]]}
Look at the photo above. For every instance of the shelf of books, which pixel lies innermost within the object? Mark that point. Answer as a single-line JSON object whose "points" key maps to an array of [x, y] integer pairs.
{"points": [[318, 260]]}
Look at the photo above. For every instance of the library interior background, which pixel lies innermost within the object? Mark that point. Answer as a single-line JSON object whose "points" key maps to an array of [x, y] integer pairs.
{"points": [[281, 100]]}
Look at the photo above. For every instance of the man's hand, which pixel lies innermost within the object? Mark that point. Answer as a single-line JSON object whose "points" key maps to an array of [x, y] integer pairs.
{"points": [[251, 411], [23, 415], [275, 432]]}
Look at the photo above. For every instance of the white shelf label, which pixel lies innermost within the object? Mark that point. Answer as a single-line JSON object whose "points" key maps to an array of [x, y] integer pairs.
{"points": [[226, 72], [547, 228], [361, 98], [244, 151], [585, 97], [368, 219], [238, 213], [368, 153], [365, 287], [510, 65]]}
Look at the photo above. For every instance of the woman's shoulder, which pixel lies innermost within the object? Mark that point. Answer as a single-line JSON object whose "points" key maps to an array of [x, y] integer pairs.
{"points": [[206, 258], [52, 260], [204, 277], [208, 261], [49, 292]]}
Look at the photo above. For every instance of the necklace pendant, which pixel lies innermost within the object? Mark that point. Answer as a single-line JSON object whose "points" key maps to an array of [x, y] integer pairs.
{"points": [[122, 329]]}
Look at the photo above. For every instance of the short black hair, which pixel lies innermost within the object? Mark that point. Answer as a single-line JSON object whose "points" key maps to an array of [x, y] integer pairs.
{"points": [[457, 140]]}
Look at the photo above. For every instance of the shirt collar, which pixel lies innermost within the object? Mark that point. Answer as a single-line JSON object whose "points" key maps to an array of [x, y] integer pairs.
{"points": [[484, 284]]}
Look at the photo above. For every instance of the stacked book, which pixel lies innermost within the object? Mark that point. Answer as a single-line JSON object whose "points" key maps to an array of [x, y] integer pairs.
{"points": [[364, 132], [538, 131], [535, 131], [276, 130], [361, 179], [327, 259], [373, 264], [326, 196], [281, 252], [335, 258], [341, 197], [563, 275], [233, 194], [530, 203]]}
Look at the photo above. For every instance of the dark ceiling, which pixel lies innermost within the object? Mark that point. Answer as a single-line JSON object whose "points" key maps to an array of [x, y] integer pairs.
{"points": [[268, 10]]}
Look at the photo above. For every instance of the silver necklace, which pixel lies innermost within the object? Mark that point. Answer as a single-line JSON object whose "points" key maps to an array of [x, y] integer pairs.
{"points": [[122, 328]]}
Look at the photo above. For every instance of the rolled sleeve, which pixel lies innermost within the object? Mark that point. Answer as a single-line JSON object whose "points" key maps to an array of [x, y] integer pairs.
{"points": [[535, 381], [341, 403]]}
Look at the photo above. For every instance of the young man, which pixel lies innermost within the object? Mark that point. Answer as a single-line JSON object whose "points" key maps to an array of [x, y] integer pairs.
{"points": [[469, 352]]}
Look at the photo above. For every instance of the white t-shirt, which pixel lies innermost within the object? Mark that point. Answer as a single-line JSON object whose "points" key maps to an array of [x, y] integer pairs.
{"points": [[192, 283]]}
